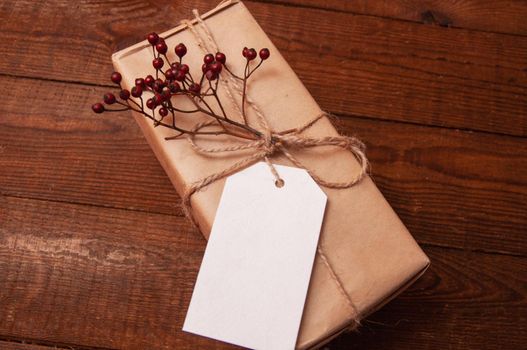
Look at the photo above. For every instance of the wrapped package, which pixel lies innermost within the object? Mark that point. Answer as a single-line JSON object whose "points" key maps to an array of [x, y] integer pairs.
{"points": [[370, 257]]}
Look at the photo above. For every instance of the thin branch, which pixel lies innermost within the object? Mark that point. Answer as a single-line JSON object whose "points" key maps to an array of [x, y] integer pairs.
{"points": [[215, 94], [255, 68], [244, 91], [168, 61], [231, 73], [116, 110]]}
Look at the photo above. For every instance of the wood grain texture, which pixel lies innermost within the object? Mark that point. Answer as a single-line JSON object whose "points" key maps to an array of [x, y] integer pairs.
{"points": [[94, 252], [465, 301], [451, 188], [97, 277], [14, 345], [503, 16], [130, 275], [355, 65]]}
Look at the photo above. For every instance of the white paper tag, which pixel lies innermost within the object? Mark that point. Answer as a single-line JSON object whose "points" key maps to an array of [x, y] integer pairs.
{"points": [[253, 280]]}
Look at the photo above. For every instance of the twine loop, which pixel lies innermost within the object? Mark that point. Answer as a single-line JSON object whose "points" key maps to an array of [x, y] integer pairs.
{"points": [[271, 143]]}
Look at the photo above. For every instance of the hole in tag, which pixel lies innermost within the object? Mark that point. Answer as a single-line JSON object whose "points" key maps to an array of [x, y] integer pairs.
{"points": [[279, 183]]}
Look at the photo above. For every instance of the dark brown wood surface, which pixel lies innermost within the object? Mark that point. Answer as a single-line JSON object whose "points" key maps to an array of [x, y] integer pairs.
{"points": [[95, 253]]}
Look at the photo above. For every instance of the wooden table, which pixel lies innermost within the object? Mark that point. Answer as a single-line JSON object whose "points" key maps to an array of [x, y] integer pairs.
{"points": [[95, 253]]}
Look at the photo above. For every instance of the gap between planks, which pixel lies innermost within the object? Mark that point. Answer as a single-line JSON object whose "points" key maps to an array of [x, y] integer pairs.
{"points": [[73, 203]]}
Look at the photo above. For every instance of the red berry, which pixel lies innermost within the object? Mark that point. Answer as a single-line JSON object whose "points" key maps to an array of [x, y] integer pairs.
{"points": [[162, 47], [170, 74], [158, 99], [264, 54], [149, 80], [158, 63], [245, 51], [152, 38], [163, 112], [124, 94], [109, 98], [158, 87], [210, 75], [116, 77], [220, 57], [180, 75], [194, 88], [137, 91], [150, 103], [184, 68], [140, 82], [98, 108], [216, 67], [165, 94], [251, 54], [208, 59], [204, 67], [181, 50], [174, 88], [175, 65]]}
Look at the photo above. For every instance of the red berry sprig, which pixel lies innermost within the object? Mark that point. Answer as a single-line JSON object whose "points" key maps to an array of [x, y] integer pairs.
{"points": [[156, 94], [264, 54], [98, 107], [152, 38], [181, 50]]}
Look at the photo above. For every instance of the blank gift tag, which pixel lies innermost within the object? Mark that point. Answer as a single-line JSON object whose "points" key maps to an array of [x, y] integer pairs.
{"points": [[253, 281]]}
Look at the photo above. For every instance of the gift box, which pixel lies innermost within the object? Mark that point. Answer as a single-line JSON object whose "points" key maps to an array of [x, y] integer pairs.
{"points": [[369, 255]]}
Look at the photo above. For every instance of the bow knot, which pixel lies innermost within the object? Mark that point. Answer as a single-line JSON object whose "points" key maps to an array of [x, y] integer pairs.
{"points": [[270, 143]]}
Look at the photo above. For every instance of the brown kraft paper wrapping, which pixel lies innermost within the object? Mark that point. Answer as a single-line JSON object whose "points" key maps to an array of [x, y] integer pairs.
{"points": [[368, 247]]}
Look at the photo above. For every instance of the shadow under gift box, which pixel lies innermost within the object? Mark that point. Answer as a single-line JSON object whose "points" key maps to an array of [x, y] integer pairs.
{"points": [[366, 244]]}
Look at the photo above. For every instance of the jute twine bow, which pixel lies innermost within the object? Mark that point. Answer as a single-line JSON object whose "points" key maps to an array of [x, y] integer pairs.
{"points": [[268, 144]]}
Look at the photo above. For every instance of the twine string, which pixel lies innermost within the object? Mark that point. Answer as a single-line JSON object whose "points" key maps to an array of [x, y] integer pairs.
{"points": [[268, 144]]}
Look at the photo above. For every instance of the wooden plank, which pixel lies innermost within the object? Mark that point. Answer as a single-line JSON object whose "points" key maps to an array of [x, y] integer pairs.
{"points": [[465, 301], [12, 345], [353, 65], [451, 188], [503, 16], [130, 275], [62, 151], [96, 276]]}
